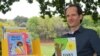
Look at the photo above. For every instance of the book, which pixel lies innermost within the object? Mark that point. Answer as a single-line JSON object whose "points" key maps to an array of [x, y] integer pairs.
{"points": [[18, 42], [65, 46], [28, 43], [16, 46]]}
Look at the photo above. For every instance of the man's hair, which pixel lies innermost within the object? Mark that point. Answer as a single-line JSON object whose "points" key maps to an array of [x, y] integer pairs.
{"points": [[79, 10]]}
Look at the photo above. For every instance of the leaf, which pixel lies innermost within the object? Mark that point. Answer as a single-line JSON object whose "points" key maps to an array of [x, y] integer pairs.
{"points": [[62, 42], [30, 1]]}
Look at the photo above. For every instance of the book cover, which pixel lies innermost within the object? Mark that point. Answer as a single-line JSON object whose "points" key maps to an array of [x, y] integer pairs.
{"points": [[27, 43], [65, 46], [16, 44]]}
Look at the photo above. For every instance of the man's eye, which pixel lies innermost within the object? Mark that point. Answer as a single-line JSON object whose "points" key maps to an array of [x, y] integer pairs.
{"points": [[67, 15], [73, 14]]}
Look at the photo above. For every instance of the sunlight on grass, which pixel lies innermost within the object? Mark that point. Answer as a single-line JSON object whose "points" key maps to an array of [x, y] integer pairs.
{"points": [[47, 49]]}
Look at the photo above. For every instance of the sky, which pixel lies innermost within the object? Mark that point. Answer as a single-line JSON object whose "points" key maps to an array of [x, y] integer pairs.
{"points": [[22, 8]]}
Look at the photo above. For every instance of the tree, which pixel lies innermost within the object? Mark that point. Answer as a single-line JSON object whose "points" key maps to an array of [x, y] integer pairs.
{"points": [[59, 5], [9, 23], [20, 21], [32, 26], [3, 20], [90, 7], [5, 5], [46, 28]]}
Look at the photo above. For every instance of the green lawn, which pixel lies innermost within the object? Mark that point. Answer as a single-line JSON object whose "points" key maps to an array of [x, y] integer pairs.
{"points": [[47, 49]]}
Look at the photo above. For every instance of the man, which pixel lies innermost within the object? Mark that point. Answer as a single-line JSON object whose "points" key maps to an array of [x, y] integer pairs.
{"points": [[87, 40]]}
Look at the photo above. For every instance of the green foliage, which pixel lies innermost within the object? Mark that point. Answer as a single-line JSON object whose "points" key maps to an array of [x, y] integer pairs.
{"points": [[90, 7], [32, 26], [3, 20], [20, 21], [46, 28], [9, 23], [88, 23], [61, 42], [5, 5], [59, 5], [30, 1]]}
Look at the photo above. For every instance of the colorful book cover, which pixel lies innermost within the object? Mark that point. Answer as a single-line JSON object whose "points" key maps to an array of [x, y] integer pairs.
{"points": [[27, 43], [65, 46], [16, 44]]}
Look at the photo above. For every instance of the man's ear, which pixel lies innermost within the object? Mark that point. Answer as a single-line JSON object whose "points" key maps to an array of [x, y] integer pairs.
{"points": [[81, 17]]}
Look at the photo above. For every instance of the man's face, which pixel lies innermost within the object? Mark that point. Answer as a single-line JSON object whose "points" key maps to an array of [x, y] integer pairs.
{"points": [[73, 18]]}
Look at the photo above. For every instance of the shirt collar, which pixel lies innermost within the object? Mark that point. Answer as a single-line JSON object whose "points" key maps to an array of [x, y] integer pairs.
{"points": [[81, 28]]}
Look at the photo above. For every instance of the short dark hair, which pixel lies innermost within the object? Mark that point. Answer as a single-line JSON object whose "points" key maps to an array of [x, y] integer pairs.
{"points": [[18, 43], [79, 10]]}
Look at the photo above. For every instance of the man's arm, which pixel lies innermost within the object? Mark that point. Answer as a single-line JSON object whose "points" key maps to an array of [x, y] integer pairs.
{"points": [[95, 42]]}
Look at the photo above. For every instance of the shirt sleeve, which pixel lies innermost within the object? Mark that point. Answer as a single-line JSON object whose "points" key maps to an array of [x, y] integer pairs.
{"points": [[95, 42]]}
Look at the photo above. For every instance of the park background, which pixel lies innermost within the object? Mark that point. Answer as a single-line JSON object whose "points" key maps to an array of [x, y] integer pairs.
{"points": [[47, 25]]}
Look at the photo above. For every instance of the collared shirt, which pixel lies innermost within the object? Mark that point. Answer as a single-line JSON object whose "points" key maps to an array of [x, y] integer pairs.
{"points": [[87, 41]]}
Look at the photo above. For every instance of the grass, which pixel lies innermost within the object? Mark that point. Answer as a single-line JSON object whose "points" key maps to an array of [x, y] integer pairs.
{"points": [[47, 49]]}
